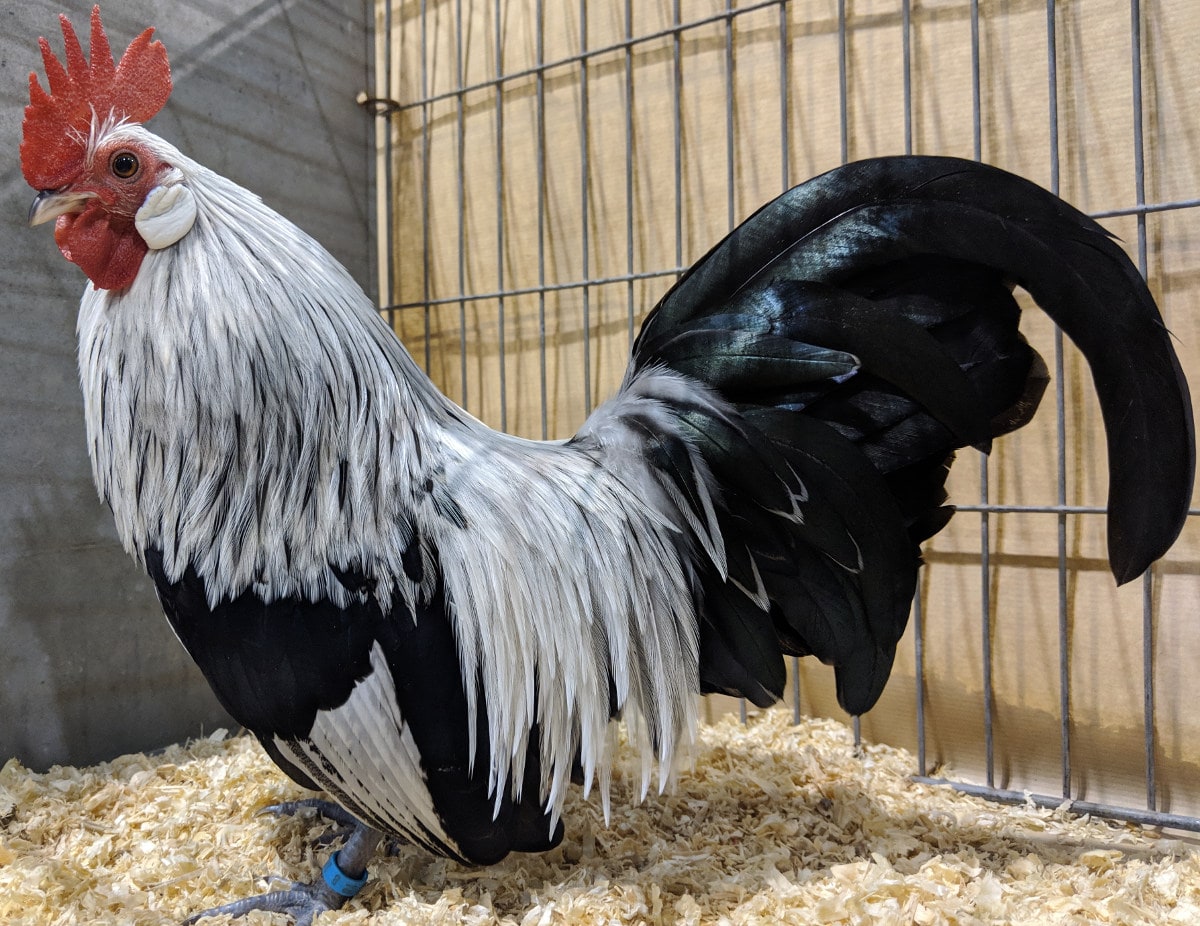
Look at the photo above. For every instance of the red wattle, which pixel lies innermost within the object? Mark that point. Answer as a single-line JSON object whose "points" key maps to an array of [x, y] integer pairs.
{"points": [[107, 248]]}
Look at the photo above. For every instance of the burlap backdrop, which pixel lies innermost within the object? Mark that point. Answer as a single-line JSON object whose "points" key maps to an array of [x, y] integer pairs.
{"points": [[447, 153]]}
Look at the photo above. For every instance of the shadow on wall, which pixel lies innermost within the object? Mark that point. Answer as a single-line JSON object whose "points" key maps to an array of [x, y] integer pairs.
{"points": [[92, 669]]}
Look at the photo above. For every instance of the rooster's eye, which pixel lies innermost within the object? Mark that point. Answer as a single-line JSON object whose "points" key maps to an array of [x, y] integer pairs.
{"points": [[124, 165]]}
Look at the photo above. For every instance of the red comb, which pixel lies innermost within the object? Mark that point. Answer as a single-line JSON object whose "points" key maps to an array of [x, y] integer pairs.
{"points": [[57, 124]]}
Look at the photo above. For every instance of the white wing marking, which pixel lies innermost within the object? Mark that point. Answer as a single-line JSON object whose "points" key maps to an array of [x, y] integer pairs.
{"points": [[364, 751]]}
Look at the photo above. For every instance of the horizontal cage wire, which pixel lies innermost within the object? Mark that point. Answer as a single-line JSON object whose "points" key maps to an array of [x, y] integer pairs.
{"points": [[549, 169]]}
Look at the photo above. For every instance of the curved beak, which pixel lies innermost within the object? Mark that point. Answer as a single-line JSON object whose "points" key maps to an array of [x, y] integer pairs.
{"points": [[50, 204]]}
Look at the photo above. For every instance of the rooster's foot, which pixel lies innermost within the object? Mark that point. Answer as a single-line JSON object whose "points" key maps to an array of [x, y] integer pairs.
{"points": [[343, 876]]}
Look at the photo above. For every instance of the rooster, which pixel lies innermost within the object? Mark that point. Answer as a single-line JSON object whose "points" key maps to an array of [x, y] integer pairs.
{"points": [[438, 624]]}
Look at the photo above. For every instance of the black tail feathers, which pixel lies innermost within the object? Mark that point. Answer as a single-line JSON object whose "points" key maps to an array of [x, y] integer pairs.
{"points": [[863, 326]]}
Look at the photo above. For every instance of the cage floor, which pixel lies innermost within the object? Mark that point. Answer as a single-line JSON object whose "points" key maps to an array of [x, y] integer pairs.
{"points": [[774, 823]]}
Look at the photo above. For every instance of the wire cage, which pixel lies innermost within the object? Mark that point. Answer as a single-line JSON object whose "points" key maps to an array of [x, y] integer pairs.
{"points": [[548, 169]]}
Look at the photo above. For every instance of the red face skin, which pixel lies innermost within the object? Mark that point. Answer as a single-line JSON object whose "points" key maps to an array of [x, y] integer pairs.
{"points": [[101, 237]]}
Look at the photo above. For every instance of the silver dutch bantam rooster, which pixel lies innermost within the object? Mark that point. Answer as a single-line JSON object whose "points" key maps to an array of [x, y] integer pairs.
{"points": [[438, 624]]}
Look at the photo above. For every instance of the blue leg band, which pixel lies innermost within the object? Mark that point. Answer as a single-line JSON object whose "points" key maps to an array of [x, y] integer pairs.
{"points": [[339, 881]]}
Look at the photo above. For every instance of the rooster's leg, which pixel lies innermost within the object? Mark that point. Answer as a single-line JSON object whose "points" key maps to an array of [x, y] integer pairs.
{"points": [[343, 876]]}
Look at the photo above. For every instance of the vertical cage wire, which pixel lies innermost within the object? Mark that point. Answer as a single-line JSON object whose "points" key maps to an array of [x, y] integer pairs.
{"points": [[499, 88]]}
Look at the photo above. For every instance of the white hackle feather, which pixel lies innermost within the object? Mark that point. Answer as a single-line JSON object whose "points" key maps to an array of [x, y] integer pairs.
{"points": [[251, 414]]}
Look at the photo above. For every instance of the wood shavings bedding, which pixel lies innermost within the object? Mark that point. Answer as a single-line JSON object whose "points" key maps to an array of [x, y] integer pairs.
{"points": [[775, 823]]}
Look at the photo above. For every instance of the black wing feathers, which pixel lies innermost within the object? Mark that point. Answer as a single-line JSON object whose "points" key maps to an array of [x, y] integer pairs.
{"points": [[275, 665]]}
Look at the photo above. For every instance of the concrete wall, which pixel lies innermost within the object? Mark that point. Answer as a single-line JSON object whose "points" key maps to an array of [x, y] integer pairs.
{"points": [[264, 94]]}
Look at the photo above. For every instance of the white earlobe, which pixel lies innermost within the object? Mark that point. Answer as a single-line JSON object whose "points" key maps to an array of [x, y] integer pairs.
{"points": [[166, 216]]}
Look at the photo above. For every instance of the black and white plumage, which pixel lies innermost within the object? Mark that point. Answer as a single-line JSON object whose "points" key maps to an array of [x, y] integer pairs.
{"points": [[437, 623], [331, 498], [342, 550]]}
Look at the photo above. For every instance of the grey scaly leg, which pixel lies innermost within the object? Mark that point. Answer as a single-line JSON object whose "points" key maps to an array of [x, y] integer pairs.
{"points": [[343, 876]]}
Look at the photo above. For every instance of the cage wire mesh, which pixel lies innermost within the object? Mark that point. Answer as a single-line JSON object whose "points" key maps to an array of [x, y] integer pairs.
{"points": [[549, 168]]}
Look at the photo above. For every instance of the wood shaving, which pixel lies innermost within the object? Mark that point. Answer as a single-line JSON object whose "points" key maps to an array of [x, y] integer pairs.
{"points": [[774, 823]]}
